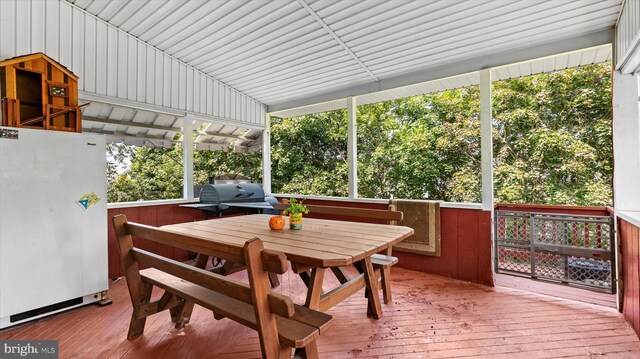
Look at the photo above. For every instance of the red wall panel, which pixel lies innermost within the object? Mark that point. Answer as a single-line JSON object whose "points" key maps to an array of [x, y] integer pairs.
{"points": [[465, 248], [630, 262]]}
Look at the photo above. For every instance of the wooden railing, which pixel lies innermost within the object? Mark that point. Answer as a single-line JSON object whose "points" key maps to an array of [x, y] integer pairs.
{"points": [[465, 235]]}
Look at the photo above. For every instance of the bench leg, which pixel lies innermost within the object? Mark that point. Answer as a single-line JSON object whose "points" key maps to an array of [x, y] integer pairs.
{"points": [[386, 284], [175, 312], [310, 351], [285, 352], [136, 326]]}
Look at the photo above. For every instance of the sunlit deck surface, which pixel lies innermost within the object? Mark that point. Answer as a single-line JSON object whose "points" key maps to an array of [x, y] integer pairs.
{"points": [[430, 317], [555, 290]]}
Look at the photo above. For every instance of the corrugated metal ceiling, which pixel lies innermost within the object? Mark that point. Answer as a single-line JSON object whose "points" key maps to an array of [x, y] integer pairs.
{"points": [[558, 62], [280, 51]]}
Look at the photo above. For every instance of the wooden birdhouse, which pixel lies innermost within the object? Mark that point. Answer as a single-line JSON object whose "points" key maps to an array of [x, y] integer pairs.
{"points": [[38, 92]]}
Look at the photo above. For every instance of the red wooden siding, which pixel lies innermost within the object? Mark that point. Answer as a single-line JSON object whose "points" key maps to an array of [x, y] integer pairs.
{"points": [[465, 248], [465, 245], [158, 215], [630, 268]]}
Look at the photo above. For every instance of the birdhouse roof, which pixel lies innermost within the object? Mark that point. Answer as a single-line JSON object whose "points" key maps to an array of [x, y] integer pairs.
{"points": [[30, 57]]}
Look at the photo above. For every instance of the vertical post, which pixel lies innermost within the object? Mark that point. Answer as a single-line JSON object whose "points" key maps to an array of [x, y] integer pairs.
{"points": [[486, 156], [352, 147], [266, 156], [626, 152], [187, 153], [626, 142], [486, 140]]}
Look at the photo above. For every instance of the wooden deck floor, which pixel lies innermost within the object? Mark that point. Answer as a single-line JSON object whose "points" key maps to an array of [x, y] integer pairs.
{"points": [[556, 290], [430, 317]]}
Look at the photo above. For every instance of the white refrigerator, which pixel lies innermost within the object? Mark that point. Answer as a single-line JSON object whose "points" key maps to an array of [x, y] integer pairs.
{"points": [[53, 222]]}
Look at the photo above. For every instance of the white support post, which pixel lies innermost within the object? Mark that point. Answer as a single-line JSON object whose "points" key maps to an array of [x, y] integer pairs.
{"points": [[486, 140], [352, 147], [626, 142], [187, 153], [266, 156]]}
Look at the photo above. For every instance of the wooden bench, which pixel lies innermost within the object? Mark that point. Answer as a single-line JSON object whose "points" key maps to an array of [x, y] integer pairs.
{"points": [[380, 261], [280, 323]]}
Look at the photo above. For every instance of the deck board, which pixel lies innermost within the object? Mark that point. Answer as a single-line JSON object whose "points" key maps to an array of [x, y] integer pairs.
{"points": [[556, 290], [430, 316]]}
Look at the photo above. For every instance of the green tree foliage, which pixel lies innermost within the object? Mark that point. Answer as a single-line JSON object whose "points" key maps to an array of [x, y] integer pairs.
{"points": [[552, 137], [215, 163], [552, 145], [309, 154], [425, 146], [156, 172]]}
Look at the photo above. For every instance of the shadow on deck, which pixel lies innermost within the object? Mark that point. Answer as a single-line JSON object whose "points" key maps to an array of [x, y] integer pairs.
{"points": [[430, 316]]}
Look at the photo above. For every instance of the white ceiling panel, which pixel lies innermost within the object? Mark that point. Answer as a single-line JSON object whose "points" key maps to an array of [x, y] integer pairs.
{"points": [[288, 52], [537, 66]]}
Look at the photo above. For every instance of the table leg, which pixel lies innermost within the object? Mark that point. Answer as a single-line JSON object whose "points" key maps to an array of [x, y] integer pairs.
{"points": [[187, 307], [340, 274], [273, 279], [306, 277], [374, 307], [315, 288]]}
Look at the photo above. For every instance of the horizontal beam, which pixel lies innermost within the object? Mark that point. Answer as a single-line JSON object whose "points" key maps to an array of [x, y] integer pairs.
{"points": [[515, 55], [126, 136], [162, 109], [630, 61], [149, 126]]}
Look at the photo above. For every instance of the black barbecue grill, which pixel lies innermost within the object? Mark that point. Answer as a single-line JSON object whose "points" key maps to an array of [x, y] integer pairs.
{"points": [[223, 199]]}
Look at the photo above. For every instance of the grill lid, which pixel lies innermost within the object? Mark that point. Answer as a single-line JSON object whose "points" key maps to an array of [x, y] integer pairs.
{"points": [[230, 193]]}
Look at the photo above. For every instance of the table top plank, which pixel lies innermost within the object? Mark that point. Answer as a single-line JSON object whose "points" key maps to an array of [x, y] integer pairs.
{"points": [[322, 243], [296, 254], [335, 228], [293, 242], [370, 232], [342, 239], [266, 234]]}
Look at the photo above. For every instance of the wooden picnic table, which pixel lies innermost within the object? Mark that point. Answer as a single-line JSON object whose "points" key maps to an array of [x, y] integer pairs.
{"points": [[319, 245]]}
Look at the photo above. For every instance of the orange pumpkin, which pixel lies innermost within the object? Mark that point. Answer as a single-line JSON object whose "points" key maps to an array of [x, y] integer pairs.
{"points": [[276, 223]]}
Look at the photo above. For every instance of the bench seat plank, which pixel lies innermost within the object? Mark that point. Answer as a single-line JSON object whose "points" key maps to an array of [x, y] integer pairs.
{"points": [[303, 327], [381, 260]]}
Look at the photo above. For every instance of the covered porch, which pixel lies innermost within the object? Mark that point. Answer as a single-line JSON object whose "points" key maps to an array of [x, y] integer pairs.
{"points": [[156, 79]]}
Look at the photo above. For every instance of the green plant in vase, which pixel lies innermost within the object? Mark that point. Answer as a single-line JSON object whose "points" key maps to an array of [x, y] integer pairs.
{"points": [[295, 211]]}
